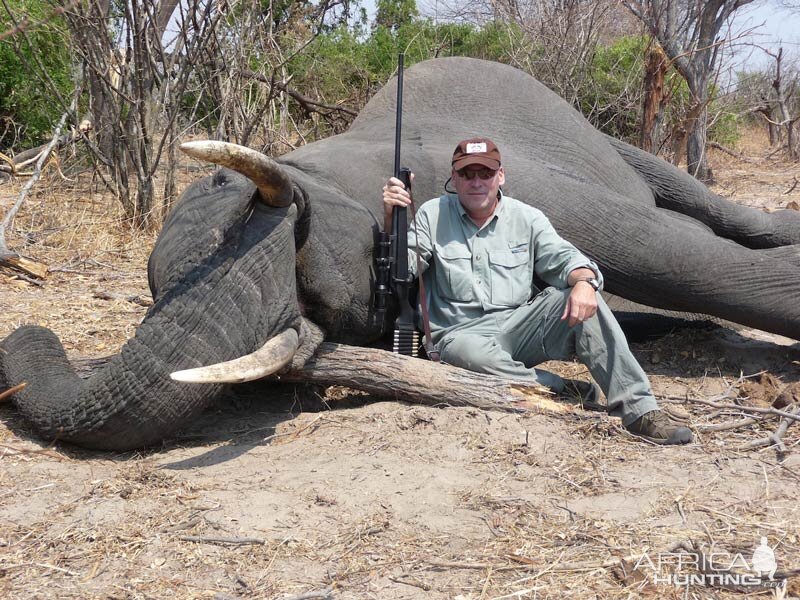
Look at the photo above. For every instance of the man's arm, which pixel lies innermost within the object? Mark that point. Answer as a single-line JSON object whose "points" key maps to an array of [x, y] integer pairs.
{"points": [[557, 260], [581, 274], [419, 238], [582, 301], [561, 264], [394, 194]]}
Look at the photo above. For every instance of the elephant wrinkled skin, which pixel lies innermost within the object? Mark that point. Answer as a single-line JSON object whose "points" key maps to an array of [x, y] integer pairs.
{"points": [[230, 271]]}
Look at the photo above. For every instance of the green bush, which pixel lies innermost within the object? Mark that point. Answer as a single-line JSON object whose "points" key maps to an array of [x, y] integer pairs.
{"points": [[611, 99], [29, 108], [726, 130], [349, 64]]}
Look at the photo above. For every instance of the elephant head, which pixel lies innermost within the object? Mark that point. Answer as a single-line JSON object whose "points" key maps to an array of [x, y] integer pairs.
{"points": [[224, 285], [263, 258]]}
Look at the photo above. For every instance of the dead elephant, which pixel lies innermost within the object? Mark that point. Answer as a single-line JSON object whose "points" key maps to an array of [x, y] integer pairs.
{"points": [[284, 255]]}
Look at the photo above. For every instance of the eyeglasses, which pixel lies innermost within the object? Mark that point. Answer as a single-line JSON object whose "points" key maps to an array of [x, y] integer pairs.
{"points": [[471, 174]]}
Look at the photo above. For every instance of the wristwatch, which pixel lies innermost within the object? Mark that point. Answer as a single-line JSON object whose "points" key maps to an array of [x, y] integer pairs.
{"points": [[592, 281]]}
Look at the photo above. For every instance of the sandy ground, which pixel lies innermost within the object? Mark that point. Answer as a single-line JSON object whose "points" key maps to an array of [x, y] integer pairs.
{"points": [[283, 493]]}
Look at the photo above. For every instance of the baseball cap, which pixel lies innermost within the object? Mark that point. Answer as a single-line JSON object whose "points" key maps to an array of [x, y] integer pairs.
{"points": [[476, 151]]}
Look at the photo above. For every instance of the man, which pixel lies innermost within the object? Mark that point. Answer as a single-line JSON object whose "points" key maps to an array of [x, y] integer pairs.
{"points": [[479, 251]]}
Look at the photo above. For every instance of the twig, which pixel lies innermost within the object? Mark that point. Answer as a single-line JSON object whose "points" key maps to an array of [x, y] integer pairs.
{"points": [[26, 23], [408, 580], [728, 425], [794, 185], [324, 594], [45, 154], [27, 279], [41, 565], [746, 409], [528, 565], [210, 539], [43, 451], [776, 437], [729, 152], [11, 391]]}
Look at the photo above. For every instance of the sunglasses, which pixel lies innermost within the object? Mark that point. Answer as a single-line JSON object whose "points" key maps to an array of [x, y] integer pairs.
{"points": [[472, 174]]}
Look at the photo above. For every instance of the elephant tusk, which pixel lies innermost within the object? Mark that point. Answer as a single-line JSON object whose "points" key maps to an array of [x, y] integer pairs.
{"points": [[271, 357], [272, 182]]}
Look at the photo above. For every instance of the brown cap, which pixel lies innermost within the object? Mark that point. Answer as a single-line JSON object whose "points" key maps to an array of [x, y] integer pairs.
{"points": [[476, 151]]}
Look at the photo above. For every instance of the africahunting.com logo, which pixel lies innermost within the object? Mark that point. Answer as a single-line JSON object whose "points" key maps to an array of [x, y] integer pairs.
{"points": [[718, 568]]}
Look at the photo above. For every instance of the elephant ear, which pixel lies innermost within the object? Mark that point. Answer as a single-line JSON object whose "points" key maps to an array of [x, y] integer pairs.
{"points": [[274, 185]]}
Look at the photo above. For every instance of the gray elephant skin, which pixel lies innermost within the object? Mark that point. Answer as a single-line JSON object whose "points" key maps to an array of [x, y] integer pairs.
{"points": [[230, 271]]}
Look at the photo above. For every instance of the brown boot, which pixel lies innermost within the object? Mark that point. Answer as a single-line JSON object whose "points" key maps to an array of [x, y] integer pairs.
{"points": [[657, 427]]}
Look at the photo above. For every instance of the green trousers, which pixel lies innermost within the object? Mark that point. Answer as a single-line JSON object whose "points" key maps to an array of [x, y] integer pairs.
{"points": [[511, 343]]}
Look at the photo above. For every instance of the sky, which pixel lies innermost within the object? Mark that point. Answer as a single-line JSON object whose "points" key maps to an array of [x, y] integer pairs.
{"points": [[774, 26]]}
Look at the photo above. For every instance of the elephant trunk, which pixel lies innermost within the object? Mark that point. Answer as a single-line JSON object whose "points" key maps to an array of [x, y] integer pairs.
{"points": [[225, 306], [130, 403]]}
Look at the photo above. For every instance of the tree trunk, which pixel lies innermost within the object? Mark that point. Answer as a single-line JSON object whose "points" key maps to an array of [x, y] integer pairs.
{"points": [[653, 101], [793, 145], [696, 159], [697, 129]]}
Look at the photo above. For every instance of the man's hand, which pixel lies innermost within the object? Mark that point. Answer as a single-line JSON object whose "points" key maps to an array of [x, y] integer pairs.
{"points": [[581, 304], [394, 194]]}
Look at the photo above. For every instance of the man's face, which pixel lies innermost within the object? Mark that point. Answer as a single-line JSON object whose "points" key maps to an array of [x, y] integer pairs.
{"points": [[478, 195]]}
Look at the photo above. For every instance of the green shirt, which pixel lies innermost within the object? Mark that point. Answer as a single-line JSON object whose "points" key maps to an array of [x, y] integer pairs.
{"points": [[472, 272]]}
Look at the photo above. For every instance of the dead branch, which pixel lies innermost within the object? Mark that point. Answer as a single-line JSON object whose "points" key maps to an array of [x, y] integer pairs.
{"points": [[412, 581], [134, 299], [309, 105], [12, 259], [746, 409], [324, 594], [776, 437], [417, 381], [729, 152], [43, 451], [232, 541], [25, 23], [23, 265], [794, 185], [729, 425]]}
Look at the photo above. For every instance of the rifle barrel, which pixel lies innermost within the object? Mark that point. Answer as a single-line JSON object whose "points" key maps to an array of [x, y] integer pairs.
{"points": [[398, 125]]}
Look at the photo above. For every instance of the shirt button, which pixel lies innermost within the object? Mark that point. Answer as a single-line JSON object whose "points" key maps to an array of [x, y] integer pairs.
{"points": [[478, 257]]}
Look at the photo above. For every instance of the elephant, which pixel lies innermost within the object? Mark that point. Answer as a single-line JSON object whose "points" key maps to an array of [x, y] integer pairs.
{"points": [[273, 256]]}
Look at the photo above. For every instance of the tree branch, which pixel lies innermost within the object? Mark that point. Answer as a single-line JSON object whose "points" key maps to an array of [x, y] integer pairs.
{"points": [[307, 103]]}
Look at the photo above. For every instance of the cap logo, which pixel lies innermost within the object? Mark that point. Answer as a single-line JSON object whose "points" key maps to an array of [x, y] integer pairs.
{"points": [[476, 147]]}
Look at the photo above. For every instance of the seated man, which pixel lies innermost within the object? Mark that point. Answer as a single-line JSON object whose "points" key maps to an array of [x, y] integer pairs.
{"points": [[479, 251]]}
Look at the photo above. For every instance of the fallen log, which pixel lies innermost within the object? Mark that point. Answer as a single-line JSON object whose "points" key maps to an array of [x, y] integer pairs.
{"points": [[16, 262], [418, 381], [407, 379]]}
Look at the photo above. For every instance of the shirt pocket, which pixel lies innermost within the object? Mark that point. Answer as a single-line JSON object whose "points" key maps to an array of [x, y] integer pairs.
{"points": [[511, 277], [454, 272]]}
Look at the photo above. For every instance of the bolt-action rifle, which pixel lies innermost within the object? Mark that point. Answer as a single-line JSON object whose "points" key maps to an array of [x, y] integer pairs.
{"points": [[392, 260]]}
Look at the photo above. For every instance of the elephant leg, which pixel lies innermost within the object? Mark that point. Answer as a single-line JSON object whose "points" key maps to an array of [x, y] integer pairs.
{"points": [[652, 257], [682, 193]]}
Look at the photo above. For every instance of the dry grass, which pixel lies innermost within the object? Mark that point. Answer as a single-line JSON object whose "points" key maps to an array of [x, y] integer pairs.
{"points": [[273, 499]]}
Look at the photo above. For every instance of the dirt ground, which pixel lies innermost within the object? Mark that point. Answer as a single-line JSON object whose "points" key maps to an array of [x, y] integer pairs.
{"points": [[303, 493]]}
